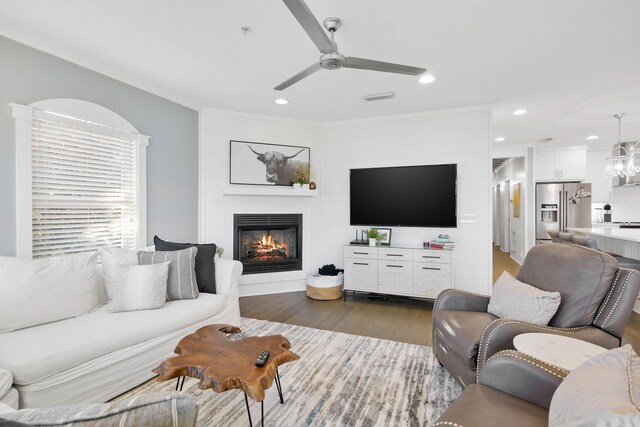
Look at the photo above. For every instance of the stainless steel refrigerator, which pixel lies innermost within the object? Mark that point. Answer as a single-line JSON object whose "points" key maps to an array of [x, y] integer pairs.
{"points": [[560, 206]]}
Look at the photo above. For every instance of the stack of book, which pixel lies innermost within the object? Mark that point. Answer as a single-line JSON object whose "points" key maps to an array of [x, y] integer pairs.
{"points": [[444, 244]]}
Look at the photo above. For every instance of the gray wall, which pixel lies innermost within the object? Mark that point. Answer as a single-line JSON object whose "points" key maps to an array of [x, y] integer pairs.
{"points": [[28, 75]]}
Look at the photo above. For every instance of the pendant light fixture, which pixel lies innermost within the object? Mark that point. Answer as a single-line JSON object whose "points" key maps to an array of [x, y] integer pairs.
{"points": [[626, 161]]}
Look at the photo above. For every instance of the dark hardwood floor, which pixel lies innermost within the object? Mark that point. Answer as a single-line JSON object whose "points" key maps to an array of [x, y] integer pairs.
{"points": [[396, 318]]}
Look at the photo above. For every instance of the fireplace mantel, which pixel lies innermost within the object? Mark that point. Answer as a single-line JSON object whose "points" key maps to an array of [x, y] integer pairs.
{"points": [[267, 190]]}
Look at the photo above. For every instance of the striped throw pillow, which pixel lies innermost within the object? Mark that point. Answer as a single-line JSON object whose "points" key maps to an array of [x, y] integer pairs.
{"points": [[181, 282]]}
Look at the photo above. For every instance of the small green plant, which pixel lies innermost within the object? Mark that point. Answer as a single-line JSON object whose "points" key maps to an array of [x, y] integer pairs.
{"points": [[300, 180], [373, 233], [219, 251]]}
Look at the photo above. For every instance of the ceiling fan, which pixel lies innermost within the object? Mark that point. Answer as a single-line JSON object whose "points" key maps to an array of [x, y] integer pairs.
{"points": [[330, 58]]}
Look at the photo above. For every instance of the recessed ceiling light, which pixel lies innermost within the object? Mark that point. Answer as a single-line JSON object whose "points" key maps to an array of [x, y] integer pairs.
{"points": [[499, 139], [427, 78], [519, 112], [281, 101], [592, 137]]}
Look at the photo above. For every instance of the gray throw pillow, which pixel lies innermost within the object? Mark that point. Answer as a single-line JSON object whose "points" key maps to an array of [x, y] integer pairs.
{"points": [[140, 287], [512, 299], [181, 283], [603, 391]]}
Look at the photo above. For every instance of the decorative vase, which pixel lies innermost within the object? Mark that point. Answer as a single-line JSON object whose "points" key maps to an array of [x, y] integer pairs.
{"points": [[372, 242], [297, 186], [305, 186]]}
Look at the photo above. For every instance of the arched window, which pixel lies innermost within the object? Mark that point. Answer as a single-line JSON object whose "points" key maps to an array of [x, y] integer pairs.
{"points": [[80, 179]]}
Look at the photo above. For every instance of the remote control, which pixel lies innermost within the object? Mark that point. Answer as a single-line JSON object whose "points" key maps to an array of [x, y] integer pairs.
{"points": [[262, 359]]}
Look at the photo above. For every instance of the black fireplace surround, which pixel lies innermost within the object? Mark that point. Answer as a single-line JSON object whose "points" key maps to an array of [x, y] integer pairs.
{"points": [[268, 243]]}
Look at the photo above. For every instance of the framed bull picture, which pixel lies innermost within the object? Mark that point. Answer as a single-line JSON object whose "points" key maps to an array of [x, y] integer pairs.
{"points": [[256, 163]]}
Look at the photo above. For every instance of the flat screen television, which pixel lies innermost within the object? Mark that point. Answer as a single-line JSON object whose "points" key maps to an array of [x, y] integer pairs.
{"points": [[409, 196]]}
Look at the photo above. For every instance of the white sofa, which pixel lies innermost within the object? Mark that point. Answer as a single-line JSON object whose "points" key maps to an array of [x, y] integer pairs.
{"points": [[97, 356]]}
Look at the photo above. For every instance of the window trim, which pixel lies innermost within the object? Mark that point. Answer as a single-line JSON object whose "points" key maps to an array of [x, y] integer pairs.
{"points": [[23, 117]]}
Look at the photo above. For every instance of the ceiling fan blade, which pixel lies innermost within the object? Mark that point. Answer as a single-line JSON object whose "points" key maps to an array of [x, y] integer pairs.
{"points": [[310, 24], [387, 67], [301, 75]]}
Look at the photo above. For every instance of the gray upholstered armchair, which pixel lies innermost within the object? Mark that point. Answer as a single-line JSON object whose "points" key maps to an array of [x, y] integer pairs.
{"points": [[513, 390], [597, 300]]}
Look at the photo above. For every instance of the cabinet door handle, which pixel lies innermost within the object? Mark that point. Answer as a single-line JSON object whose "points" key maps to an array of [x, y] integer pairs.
{"points": [[556, 173], [561, 173], [394, 255], [395, 266], [430, 256], [361, 253], [361, 263], [430, 268]]}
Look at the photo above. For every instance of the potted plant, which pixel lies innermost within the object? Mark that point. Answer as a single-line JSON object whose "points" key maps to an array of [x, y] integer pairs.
{"points": [[300, 183], [374, 236]]}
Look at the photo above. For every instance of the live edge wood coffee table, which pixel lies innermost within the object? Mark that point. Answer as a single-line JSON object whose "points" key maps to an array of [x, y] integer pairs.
{"points": [[222, 364]]}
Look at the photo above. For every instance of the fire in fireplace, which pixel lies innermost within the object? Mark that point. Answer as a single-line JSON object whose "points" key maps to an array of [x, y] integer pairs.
{"points": [[267, 243], [266, 247]]}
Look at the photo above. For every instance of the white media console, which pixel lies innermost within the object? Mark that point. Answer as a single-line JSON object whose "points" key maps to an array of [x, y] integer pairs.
{"points": [[397, 270]]}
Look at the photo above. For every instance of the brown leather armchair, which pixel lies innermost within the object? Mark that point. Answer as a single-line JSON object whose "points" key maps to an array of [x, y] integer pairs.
{"points": [[596, 301], [513, 390]]}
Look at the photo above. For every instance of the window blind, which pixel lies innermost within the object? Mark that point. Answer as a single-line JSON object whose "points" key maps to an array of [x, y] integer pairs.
{"points": [[83, 188]]}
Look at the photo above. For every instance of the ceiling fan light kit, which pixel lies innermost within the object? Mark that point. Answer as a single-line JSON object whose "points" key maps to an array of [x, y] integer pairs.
{"points": [[330, 58]]}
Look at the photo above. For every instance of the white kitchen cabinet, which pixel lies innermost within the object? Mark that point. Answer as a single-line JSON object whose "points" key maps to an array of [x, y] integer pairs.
{"points": [[601, 186], [563, 165], [413, 272]]}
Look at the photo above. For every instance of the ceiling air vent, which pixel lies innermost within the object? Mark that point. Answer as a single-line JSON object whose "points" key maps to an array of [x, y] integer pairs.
{"points": [[543, 140], [379, 96]]}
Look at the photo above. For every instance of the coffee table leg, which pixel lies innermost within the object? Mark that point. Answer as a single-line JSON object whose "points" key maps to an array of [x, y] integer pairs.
{"points": [[279, 386], [178, 385], [246, 401]]}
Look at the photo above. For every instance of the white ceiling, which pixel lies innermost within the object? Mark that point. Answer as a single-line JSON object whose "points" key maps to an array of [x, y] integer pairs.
{"points": [[570, 63]]}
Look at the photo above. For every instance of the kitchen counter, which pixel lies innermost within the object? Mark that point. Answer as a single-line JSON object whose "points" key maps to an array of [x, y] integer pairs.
{"points": [[631, 234], [623, 241]]}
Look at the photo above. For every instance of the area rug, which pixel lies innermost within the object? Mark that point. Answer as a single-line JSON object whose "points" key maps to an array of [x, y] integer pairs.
{"points": [[340, 380]]}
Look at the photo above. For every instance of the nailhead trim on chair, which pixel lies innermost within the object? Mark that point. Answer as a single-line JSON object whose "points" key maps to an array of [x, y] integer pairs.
{"points": [[626, 280], [517, 322], [611, 289], [447, 423], [511, 353]]}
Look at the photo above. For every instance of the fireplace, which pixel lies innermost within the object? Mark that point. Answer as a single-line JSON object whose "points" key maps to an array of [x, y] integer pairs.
{"points": [[268, 243]]}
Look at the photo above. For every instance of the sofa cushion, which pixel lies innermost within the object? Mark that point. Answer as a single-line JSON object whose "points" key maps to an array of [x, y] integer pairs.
{"points": [[461, 331], [480, 405], [46, 289], [205, 261], [581, 275], [181, 281], [581, 400], [141, 287], [32, 354], [512, 299], [111, 258], [152, 410], [6, 381]]}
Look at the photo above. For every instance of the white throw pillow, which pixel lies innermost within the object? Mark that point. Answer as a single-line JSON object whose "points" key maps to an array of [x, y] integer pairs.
{"points": [[141, 287], [46, 289], [512, 299], [111, 258], [603, 391]]}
